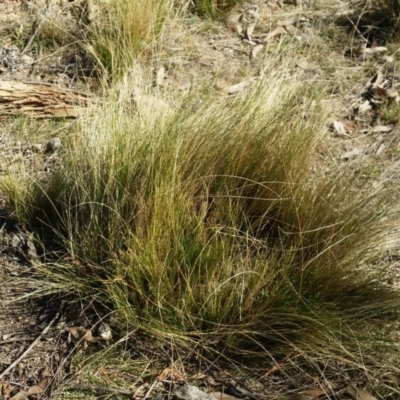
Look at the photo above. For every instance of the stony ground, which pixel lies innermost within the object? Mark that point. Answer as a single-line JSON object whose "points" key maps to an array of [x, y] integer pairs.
{"points": [[358, 66]]}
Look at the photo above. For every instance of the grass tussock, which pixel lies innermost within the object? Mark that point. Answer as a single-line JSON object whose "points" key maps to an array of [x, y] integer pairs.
{"points": [[118, 32], [213, 218]]}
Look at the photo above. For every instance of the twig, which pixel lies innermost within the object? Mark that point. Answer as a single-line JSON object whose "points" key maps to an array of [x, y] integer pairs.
{"points": [[33, 344], [101, 390], [151, 389]]}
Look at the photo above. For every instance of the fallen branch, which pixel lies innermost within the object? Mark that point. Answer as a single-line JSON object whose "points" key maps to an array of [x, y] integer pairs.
{"points": [[41, 100]]}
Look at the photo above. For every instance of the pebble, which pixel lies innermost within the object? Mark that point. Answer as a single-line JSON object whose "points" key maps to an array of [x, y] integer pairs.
{"points": [[24, 59], [53, 145], [104, 331]]}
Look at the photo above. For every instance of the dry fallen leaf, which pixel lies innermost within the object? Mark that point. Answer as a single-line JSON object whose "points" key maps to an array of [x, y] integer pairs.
{"points": [[377, 79], [238, 87], [373, 50], [362, 52], [6, 389], [388, 59], [380, 149], [160, 76], [315, 379], [339, 128], [32, 391], [78, 333], [382, 128], [280, 30], [170, 373], [291, 29], [350, 154], [359, 394], [46, 373], [250, 30], [388, 93], [20, 396]]}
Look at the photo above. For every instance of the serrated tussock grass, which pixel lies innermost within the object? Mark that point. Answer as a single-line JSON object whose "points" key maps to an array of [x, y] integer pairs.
{"points": [[119, 32], [214, 218]]}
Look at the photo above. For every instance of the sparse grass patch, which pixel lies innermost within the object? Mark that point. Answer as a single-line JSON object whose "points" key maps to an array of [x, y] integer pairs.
{"points": [[213, 222], [52, 36], [211, 8], [390, 113]]}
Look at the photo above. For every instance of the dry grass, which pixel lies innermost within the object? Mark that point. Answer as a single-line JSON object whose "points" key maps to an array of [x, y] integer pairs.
{"points": [[212, 218], [119, 33], [113, 34], [211, 221]]}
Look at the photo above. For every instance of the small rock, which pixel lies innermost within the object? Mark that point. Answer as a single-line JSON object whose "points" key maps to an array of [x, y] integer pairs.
{"points": [[104, 331], [24, 59], [189, 392], [53, 145], [16, 241]]}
